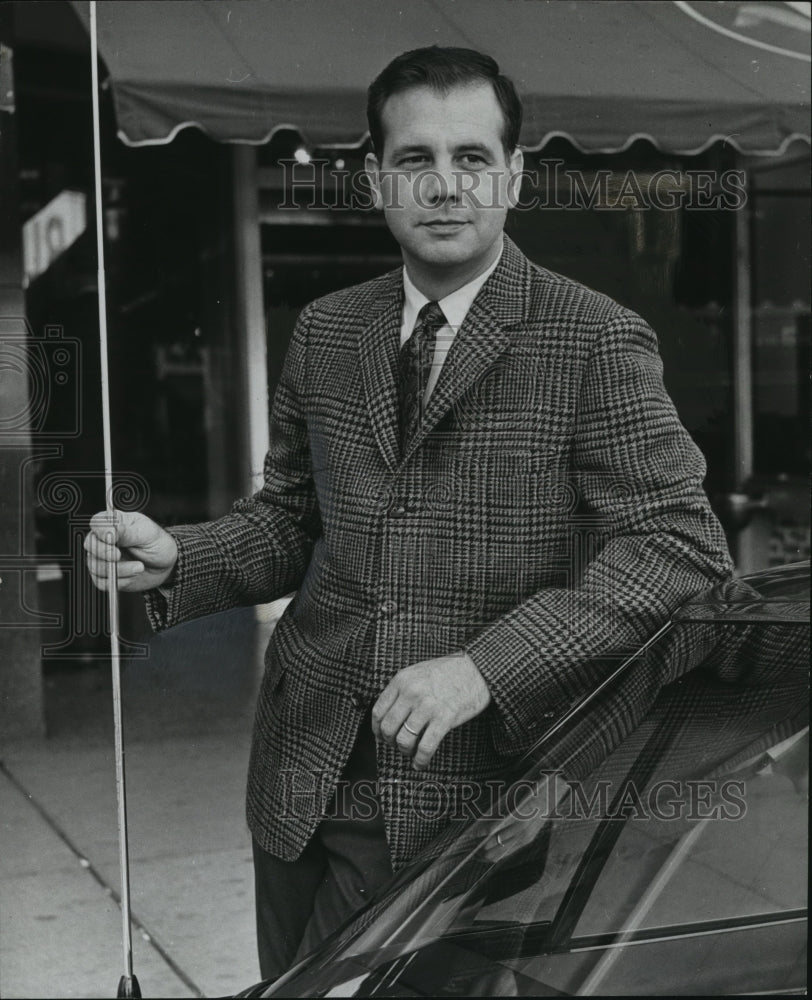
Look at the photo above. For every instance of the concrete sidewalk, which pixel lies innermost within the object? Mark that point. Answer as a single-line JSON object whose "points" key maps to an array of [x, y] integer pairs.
{"points": [[188, 710]]}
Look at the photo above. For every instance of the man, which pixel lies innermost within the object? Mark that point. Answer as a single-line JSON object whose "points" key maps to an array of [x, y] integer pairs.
{"points": [[480, 491]]}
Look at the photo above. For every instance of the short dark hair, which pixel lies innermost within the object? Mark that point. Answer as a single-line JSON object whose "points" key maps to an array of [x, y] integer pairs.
{"points": [[441, 69]]}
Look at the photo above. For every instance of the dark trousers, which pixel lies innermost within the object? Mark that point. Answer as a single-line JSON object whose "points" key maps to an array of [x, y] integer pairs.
{"points": [[299, 903]]}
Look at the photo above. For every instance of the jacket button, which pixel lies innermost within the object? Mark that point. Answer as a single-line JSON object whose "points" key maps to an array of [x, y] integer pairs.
{"points": [[387, 607], [384, 499], [398, 511], [358, 701]]}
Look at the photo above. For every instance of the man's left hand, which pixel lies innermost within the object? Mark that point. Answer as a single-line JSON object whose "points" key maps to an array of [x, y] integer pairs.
{"points": [[425, 701]]}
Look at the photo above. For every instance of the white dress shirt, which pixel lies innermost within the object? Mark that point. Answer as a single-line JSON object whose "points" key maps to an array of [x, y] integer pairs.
{"points": [[455, 308]]}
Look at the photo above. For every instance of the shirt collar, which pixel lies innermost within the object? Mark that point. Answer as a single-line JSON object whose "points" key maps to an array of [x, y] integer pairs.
{"points": [[455, 306]]}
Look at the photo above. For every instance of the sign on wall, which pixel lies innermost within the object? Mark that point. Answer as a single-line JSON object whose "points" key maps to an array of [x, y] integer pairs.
{"points": [[51, 231]]}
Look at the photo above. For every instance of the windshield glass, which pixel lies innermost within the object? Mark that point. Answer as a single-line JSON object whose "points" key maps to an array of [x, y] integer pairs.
{"points": [[687, 821]]}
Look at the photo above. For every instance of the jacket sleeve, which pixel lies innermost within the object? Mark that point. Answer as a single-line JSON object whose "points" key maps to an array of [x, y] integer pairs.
{"points": [[260, 550], [638, 475]]}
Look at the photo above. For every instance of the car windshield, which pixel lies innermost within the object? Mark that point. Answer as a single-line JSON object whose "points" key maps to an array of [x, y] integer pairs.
{"points": [[686, 827]]}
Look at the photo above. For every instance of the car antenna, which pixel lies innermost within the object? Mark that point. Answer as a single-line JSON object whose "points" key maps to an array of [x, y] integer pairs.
{"points": [[128, 984]]}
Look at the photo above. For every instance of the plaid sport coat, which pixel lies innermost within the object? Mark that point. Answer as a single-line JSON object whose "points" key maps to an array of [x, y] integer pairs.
{"points": [[547, 517]]}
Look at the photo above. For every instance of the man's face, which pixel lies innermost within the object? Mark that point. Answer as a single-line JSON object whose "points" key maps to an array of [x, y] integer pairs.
{"points": [[444, 181]]}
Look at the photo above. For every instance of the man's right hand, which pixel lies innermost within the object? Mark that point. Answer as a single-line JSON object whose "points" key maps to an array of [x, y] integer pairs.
{"points": [[145, 555]]}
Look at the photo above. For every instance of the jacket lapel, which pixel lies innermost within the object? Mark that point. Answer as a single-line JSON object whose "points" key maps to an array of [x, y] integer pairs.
{"points": [[482, 338], [502, 303], [476, 346], [378, 349]]}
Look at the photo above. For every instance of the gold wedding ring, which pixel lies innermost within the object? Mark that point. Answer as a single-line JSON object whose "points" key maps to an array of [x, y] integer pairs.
{"points": [[409, 729]]}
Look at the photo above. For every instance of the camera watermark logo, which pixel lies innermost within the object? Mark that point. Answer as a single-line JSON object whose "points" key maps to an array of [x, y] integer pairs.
{"points": [[42, 383], [46, 584]]}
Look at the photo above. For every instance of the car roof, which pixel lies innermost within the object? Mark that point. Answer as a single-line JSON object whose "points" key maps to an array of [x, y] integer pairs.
{"points": [[777, 595]]}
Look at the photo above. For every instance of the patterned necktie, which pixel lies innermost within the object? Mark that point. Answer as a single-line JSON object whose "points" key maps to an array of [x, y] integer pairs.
{"points": [[414, 366]]}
